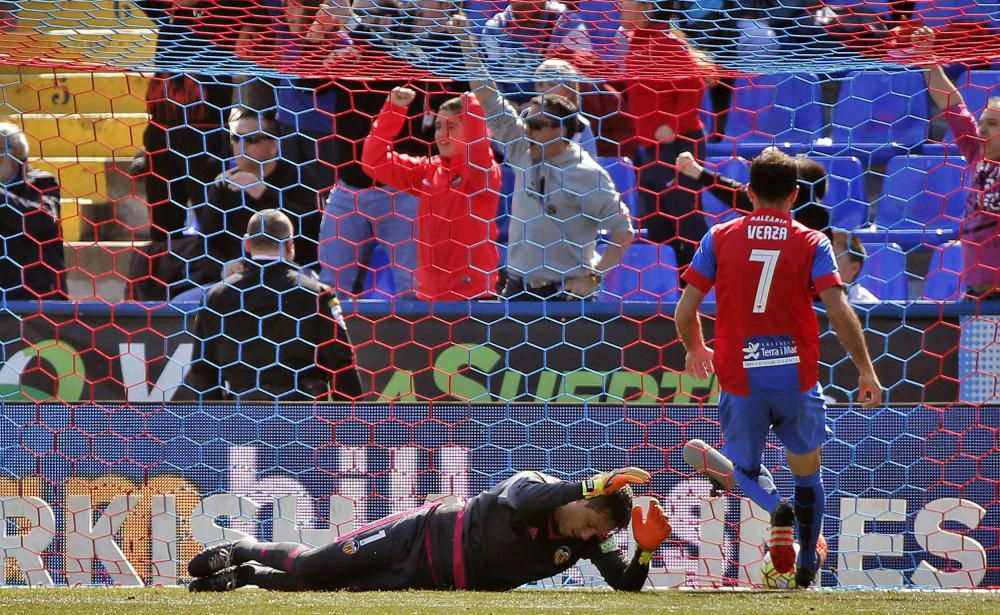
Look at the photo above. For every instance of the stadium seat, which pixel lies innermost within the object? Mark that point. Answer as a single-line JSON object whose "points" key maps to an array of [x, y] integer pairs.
{"points": [[845, 191], [503, 203], [707, 113], [940, 13], [944, 274], [623, 174], [977, 87], [379, 283], [876, 110], [647, 273], [884, 272], [735, 168], [845, 194], [922, 192], [775, 109]]}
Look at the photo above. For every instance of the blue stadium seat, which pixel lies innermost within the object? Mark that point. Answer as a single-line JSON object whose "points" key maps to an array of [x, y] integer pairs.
{"points": [[845, 191], [735, 168], [503, 203], [877, 109], [647, 273], [708, 112], [938, 13], [845, 194], [977, 87], [922, 192], [944, 274], [775, 109], [623, 174], [884, 272], [379, 283]]}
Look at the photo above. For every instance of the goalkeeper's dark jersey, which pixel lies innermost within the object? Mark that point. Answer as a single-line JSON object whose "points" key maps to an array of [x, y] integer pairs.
{"points": [[509, 538]]}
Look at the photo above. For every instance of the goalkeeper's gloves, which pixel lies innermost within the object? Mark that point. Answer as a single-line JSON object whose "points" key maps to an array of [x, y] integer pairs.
{"points": [[649, 533], [610, 482]]}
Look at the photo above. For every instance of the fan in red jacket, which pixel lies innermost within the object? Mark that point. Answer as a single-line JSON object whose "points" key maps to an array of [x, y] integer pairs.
{"points": [[458, 192]]}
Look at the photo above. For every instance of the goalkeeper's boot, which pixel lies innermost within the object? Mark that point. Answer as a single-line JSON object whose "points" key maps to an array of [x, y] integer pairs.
{"points": [[711, 463], [782, 542], [212, 560], [224, 580], [804, 577]]}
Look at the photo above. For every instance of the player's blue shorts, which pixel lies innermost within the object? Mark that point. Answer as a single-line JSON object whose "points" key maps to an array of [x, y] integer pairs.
{"points": [[798, 420]]}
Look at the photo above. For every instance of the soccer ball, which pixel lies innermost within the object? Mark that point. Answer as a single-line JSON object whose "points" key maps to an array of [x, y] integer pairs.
{"points": [[772, 579]]}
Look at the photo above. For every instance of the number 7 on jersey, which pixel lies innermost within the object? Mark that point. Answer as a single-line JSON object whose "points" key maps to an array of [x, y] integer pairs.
{"points": [[770, 260]]}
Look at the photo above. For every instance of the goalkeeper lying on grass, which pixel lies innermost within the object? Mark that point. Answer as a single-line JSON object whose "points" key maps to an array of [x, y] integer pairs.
{"points": [[530, 527]]}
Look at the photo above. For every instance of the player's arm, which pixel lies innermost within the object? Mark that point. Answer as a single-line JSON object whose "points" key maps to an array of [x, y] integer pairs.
{"points": [[942, 90], [378, 158], [502, 118], [698, 361], [532, 492], [700, 278], [724, 188], [649, 533], [848, 329]]}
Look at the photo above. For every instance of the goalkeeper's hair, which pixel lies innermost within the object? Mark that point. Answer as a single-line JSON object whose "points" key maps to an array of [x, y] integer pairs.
{"points": [[617, 506]]}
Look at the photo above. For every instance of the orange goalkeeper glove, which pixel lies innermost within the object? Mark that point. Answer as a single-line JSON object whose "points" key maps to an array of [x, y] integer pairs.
{"points": [[649, 533], [610, 482]]}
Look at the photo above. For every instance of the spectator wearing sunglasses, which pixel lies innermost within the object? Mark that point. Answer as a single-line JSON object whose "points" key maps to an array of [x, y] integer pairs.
{"points": [[259, 180], [562, 198]]}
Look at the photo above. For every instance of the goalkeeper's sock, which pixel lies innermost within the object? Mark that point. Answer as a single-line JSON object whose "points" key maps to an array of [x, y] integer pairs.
{"points": [[278, 555], [810, 500], [269, 578], [758, 486]]}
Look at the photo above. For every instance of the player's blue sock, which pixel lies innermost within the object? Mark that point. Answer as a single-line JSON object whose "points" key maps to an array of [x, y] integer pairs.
{"points": [[759, 486], [810, 500]]}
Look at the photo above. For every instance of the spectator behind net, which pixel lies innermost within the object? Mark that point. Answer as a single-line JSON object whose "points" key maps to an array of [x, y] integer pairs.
{"points": [[32, 264], [851, 255], [260, 180], [272, 331], [808, 208]]}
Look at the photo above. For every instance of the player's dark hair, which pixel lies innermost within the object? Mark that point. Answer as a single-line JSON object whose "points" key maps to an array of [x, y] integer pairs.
{"points": [[558, 107], [617, 506], [812, 181], [773, 176], [814, 216]]}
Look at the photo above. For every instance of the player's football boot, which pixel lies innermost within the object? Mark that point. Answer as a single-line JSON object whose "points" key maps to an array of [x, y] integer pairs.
{"points": [[224, 580], [711, 463], [804, 577], [782, 542], [212, 560]]}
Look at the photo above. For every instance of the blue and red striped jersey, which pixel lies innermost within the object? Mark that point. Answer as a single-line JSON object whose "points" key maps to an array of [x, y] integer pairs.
{"points": [[766, 269]]}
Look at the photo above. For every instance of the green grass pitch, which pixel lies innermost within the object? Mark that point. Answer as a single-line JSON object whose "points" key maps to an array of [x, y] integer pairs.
{"points": [[250, 602]]}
